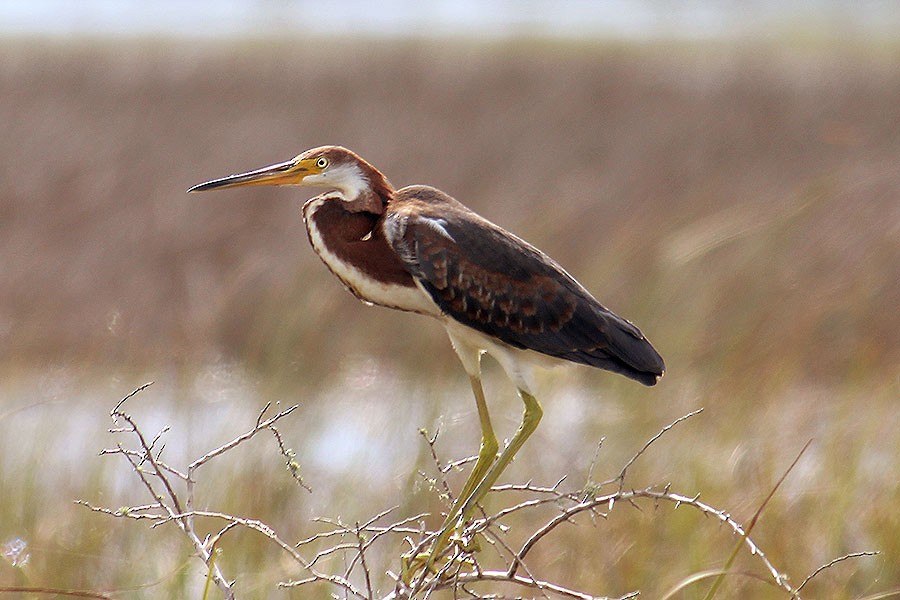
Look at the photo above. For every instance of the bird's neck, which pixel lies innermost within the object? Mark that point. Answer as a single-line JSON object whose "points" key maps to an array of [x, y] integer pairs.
{"points": [[365, 190], [365, 201], [343, 226]]}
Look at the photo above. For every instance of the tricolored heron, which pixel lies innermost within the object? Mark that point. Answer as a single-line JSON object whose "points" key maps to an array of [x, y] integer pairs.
{"points": [[419, 250]]}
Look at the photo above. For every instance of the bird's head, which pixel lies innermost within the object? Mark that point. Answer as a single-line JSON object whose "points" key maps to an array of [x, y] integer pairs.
{"points": [[356, 182]]}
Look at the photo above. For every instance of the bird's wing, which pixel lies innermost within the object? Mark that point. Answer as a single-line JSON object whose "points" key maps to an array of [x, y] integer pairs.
{"points": [[496, 283]]}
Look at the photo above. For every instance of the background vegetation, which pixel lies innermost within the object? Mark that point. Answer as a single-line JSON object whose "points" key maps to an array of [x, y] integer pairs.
{"points": [[739, 202]]}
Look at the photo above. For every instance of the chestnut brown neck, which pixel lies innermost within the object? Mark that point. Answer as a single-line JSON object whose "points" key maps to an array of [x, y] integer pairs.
{"points": [[375, 197]]}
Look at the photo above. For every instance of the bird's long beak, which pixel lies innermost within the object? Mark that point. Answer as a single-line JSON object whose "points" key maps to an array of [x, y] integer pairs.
{"points": [[290, 172]]}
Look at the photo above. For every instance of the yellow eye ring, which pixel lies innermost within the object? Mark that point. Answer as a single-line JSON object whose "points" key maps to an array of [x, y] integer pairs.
{"points": [[321, 162]]}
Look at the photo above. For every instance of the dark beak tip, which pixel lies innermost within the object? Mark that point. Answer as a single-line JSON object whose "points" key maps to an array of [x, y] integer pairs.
{"points": [[200, 187]]}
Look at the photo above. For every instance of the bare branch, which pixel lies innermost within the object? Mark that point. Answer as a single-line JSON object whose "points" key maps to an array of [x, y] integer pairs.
{"points": [[621, 477], [378, 531], [260, 425], [116, 409], [529, 487], [443, 470], [833, 562], [502, 576], [362, 560], [140, 456]]}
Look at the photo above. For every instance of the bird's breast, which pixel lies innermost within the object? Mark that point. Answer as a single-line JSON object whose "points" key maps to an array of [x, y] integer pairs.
{"points": [[353, 247]]}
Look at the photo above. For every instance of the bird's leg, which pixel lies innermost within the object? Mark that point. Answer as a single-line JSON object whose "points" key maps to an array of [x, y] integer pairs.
{"points": [[486, 455], [480, 482], [530, 420]]}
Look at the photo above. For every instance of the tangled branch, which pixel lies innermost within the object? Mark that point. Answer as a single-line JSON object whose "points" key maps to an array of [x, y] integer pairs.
{"points": [[359, 545]]}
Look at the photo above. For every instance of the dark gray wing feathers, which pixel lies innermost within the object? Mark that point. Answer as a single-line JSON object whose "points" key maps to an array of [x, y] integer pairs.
{"points": [[498, 284]]}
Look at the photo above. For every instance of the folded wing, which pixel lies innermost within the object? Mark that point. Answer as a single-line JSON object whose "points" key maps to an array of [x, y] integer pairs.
{"points": [[494, 282]]}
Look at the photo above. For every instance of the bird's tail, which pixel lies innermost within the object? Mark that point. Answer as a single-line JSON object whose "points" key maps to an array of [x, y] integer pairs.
{"points": [[626, 352]]}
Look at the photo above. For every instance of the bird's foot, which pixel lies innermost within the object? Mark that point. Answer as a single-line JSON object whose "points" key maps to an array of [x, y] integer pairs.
{"points": [[442, 561]]}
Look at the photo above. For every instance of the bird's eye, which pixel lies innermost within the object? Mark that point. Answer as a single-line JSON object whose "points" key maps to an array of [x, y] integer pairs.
{"points": [[321, 162]]}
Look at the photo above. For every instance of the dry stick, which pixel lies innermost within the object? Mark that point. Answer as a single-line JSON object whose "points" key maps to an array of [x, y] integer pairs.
{"points": [[621, 477], [512, 553], [431, 441], [590, 475], [182, 523], [260, 425], [289, 457], [362, 561], [184, 518], [129, 512], [365, 546], [657, 496], [540, 533], [528, 487], [456, 464], [460, 579], [139, 455], [397, 527], [484, 523], [133, 393], [441, 480], [137, 460], [834, 562], [734, 525], [591, 505], [332, 550], [147, 455], [267, 531], [567, 514], [344, 530], [185, 525], [501, 576]]}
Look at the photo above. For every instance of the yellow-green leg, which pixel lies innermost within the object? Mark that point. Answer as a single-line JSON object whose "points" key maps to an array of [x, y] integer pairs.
{"points": [[530, 420], [484, 474], [486, 456]]}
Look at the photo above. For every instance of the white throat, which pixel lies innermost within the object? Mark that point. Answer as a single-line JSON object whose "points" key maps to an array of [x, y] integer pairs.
{"points": [[347, 179]]}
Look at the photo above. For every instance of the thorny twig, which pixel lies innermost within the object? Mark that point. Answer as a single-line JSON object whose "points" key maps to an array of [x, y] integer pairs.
{"points": [[831, 563], [621, 477], [357, 581], [169, 502], [146, 462]]}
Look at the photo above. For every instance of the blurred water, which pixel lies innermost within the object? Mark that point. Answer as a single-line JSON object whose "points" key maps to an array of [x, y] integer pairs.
{"points": [[66, 422], [634, 19], [366, 429]]}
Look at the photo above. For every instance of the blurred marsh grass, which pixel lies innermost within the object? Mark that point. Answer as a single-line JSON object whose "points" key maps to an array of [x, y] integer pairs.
{"points": [[360, 461], [738, 203]]}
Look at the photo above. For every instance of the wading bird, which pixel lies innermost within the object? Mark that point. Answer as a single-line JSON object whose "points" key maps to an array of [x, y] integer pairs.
{"points": [[419, 250]]}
